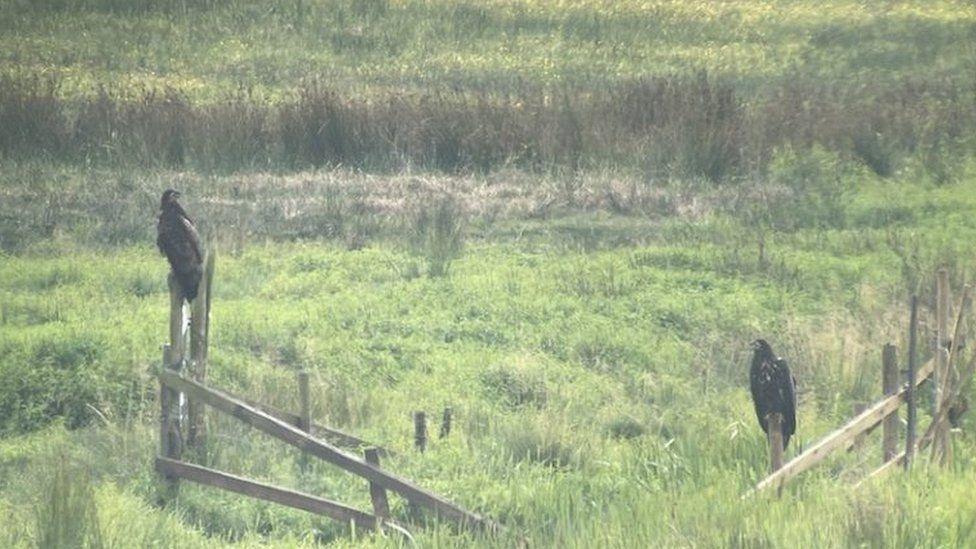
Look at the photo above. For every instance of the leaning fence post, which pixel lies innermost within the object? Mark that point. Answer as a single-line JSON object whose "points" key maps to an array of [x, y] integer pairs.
{"points": [[381, 507], [940, 431], [199, 335], [774, 433], [420, 430], [910, 396], [942, 446], [941, 329], [889, 382]]}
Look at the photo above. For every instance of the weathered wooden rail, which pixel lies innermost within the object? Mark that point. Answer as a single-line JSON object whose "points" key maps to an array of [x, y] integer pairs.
{"points": [[947, 384], [289, 434], [331, 434], [183, 399], [843, 437], [247, 487]]}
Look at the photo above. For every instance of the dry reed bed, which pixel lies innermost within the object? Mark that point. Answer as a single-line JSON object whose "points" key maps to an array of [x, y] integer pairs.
{"points": [[696, 126]]}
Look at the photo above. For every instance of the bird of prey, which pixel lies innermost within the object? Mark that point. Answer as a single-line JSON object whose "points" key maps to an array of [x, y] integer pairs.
{"points": [[178, 240], [773, 388]]}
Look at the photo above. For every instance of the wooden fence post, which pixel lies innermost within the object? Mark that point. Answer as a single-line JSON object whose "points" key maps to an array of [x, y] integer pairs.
{"points": [[164, 396], [304, 413], [199, 335], [889, 381], [842, 437], [446, 421], [953, 342], [381, 507], [941, 328], [774, 433], [176, 358], [170, 437], [420, 430], [325, 451], [177, 322], [910, 396], [304, 402], [940, 442]]}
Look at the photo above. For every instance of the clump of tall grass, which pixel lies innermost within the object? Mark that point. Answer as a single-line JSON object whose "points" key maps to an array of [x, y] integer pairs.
{"points": [[437, 232], [543, 440], [625, 427], [515, 387], [66, 514]]}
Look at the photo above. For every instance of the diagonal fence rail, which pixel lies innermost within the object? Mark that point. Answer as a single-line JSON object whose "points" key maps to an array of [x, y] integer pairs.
{"points": [[247, 487], [844, 436], [332, 435], [321, 449], [948, 384], [184, 396]]}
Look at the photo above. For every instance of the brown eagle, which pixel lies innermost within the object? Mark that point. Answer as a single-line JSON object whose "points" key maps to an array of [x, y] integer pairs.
{"points": [[178, 240], [773, 388]]}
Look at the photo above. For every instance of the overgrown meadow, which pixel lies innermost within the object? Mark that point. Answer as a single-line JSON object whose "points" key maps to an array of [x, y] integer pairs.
{"points": [[566, 222]]}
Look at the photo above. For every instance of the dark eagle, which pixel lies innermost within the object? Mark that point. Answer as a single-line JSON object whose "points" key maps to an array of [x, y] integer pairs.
{"points": [[178, 240], [773, 388]]}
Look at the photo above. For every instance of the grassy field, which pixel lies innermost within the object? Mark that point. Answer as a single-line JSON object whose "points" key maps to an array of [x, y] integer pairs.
{"points": [[675, 90], [211, 48], [564, 220]]}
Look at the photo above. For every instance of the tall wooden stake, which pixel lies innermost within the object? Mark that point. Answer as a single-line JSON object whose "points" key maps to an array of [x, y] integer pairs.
{"points": [[942, 448], [177, 351], [170, 429], [941, 329], [177, 322], [199, 335], [910, 396], [939, 434], [889, 380]]}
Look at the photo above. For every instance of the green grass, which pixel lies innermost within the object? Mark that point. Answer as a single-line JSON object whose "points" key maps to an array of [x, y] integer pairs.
{"points": [[212, 48], [676, 90], [564, 220], [598, 383]]}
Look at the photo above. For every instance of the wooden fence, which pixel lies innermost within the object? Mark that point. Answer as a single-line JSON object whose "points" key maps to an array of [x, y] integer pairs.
{"points": [[183, 398], [947, 380]]}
